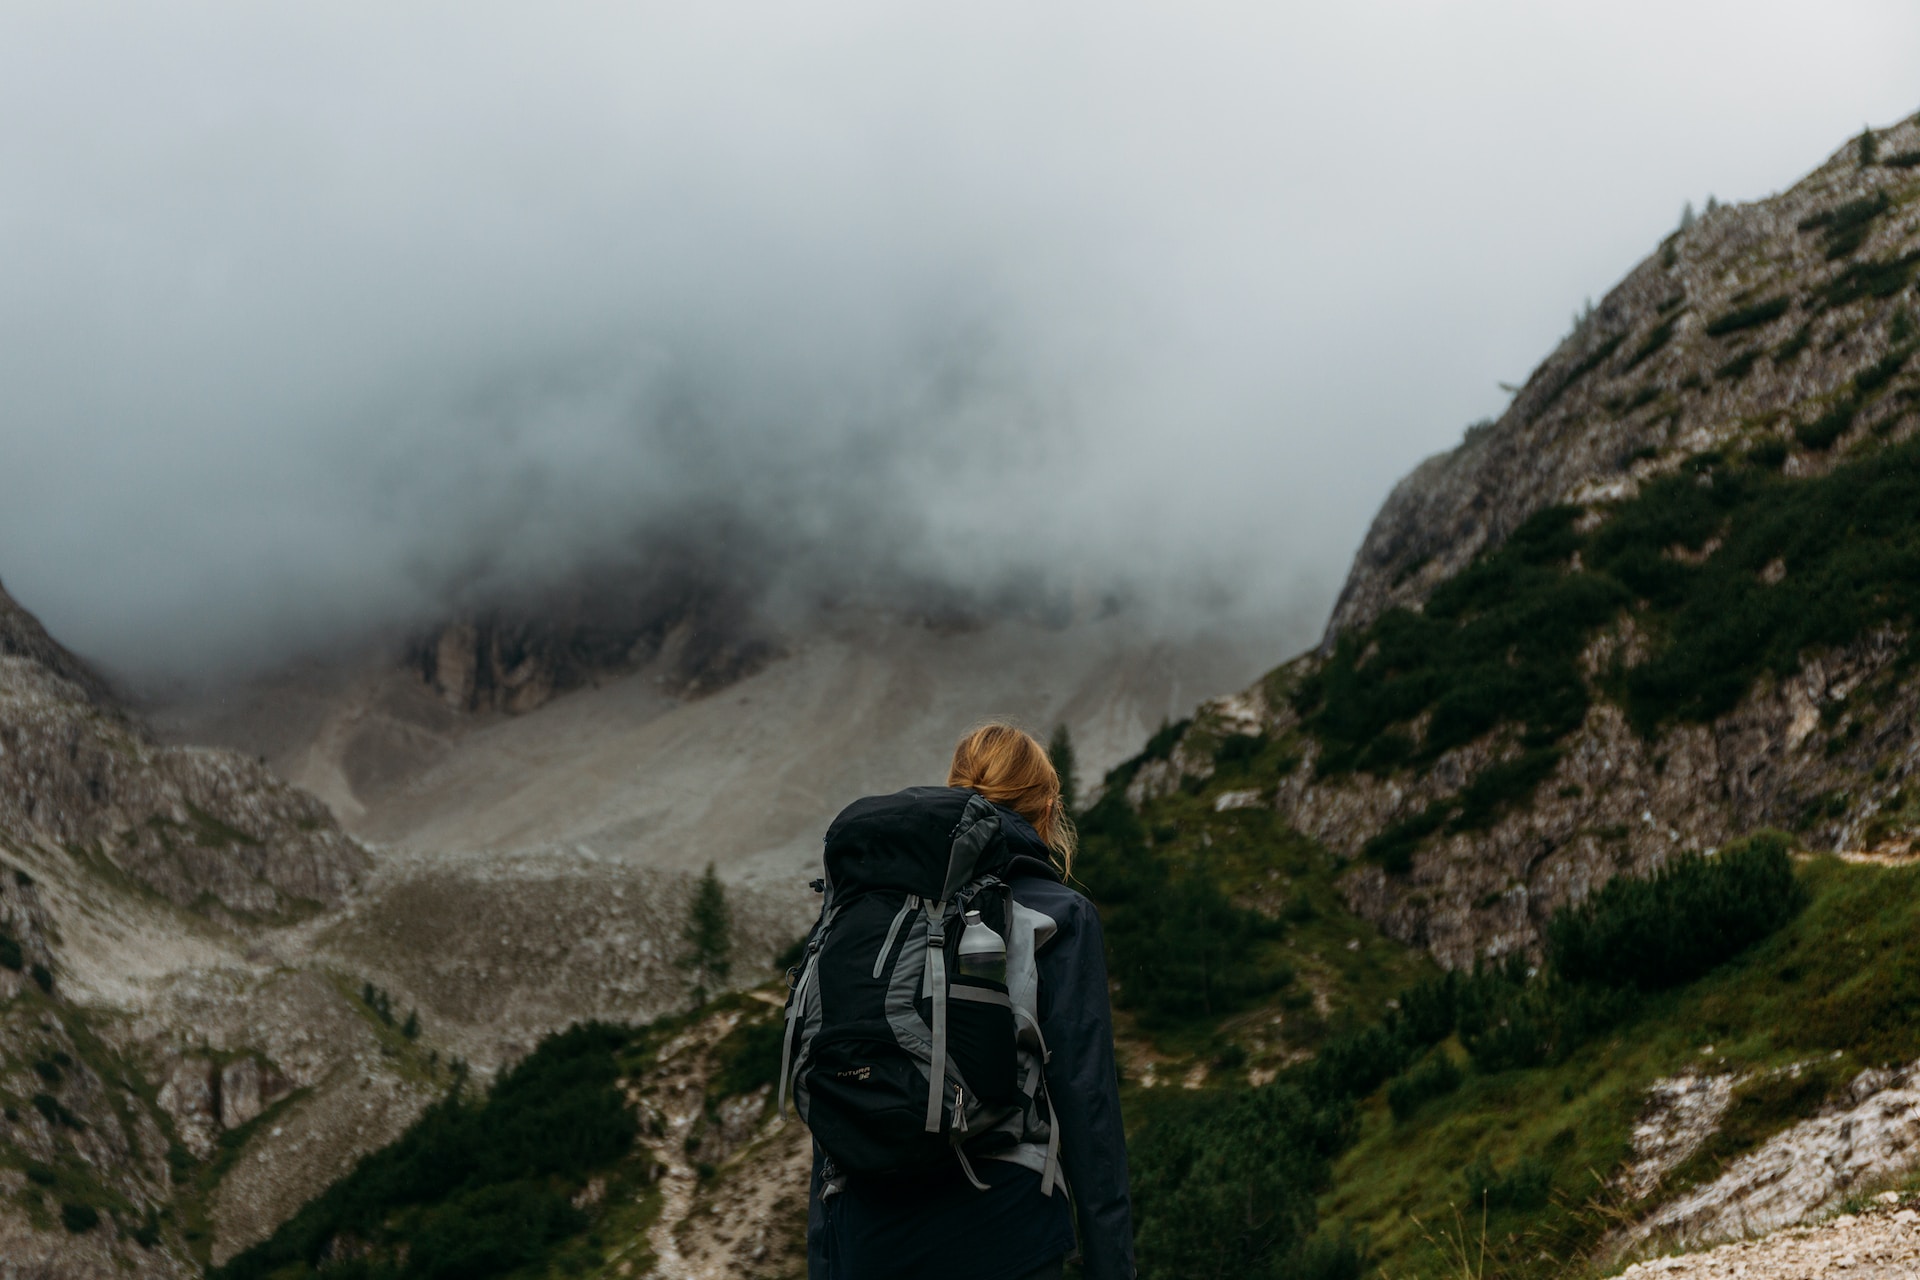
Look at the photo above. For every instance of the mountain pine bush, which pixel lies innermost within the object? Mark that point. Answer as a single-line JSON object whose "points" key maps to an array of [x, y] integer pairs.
{"points": [[1691, 916]]}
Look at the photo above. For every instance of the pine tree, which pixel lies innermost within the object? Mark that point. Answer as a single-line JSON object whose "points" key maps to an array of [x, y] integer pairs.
{"points": [[1687, 218], [708, 957], [1869, 147], [411, 1028], [1060, 751]]}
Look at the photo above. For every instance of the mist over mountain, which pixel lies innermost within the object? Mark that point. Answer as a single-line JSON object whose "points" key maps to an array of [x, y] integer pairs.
{"points": [[320, 322]]}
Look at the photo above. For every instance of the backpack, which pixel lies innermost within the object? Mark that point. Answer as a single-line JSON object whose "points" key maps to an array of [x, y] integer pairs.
{"points": [[899, 1061]]}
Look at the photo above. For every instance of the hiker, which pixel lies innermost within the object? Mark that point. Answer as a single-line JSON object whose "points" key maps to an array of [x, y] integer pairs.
{"points": [[949, 1042]]}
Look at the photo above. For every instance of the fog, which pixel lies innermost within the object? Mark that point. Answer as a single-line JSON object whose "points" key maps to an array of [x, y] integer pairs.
{"points": [[320, 319]]}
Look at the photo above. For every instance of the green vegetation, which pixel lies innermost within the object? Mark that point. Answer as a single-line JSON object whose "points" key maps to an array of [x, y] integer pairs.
{"points": [[1181, 950], [708, 953], [1845, 228], [1060, 754], [748, 1057], [1692, 915], [1789, 351], [477, 1187], [1661, 334], [1223, 1183], [1499, 644], [1586, 365], [1751, 316], [1834, 988], [1880, 279], [1738, 367]]}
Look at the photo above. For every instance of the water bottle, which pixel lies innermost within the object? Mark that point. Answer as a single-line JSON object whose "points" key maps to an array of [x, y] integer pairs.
{"points": [[983, 953]]}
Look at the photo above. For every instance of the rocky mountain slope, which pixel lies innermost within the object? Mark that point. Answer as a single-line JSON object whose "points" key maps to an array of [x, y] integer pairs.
{"points": [[634, 767], [1659, 603], [213, 1001]]}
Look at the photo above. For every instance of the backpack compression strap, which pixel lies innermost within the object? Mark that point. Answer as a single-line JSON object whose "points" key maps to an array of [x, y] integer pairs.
{"points": [[937, 985]]}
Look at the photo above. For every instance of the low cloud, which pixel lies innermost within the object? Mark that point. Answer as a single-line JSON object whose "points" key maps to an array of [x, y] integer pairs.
{"points": [[318, 320]]}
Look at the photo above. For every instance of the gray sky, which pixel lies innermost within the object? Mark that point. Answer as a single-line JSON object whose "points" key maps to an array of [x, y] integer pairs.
{"points": [[309, 311]]}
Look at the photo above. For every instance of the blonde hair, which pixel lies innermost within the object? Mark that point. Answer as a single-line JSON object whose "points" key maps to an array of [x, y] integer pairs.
{"points": [[1009, 767]]}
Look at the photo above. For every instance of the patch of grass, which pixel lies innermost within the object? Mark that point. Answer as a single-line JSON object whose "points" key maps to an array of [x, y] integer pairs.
{"points": [[1841, 977], [748, 1057], [1496, 643], [1181, 950], [1821, 434]]}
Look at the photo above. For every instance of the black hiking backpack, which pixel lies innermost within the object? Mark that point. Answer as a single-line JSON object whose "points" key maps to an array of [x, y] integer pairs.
{"points": [[901, 1053]]}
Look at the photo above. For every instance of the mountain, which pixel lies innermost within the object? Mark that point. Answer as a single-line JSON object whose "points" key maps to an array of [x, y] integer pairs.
{"points": [[1469, 937], [646, 765], [1664, 600], [1556, 909], [1614, 721], [214, 1001]]}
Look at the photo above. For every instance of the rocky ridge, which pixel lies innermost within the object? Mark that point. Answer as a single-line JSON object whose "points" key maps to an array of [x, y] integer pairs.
{"points": [[1733, 336], [1739, 325], [204, 981]]}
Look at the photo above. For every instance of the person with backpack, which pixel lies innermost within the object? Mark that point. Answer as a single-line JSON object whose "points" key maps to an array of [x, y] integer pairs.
{"points": [[948, 1038]]}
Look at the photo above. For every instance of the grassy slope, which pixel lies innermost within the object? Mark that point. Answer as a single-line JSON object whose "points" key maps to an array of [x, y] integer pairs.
{"points": [[1833, 989], [406, 1213], [1837, 989]]}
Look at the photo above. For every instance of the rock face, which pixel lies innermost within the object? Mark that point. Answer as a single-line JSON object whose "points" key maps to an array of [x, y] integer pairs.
{"points": [[1867, 1140], [22, 636], [1736, 332], [698, 633], [85, 1174], [197, 826], [1654, 374]]}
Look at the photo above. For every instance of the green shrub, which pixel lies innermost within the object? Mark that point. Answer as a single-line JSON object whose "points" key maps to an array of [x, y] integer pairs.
{"points": [[1902, 160], [1179, 949], [1689, 917], [475, 1188], [1656, 339], [1434, 1078], [1880, 279], [1882, 371], [1738, 367], [1525, 1186], [748, 1057], [1751, 316], [1581, 368], [1165, 738], [1790, 350], [1328, 1257], [1823, 431], [78, 1218], [11, 957], [1845, 228], [1223, 1183]]}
